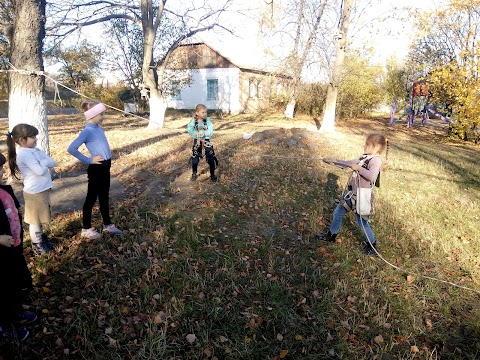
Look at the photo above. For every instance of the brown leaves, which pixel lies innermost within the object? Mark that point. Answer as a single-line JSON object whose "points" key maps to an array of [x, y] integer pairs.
{"points": [[254, 323]]}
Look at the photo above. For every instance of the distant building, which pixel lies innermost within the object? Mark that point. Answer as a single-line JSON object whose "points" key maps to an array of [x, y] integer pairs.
{"points": [[219, 83]]}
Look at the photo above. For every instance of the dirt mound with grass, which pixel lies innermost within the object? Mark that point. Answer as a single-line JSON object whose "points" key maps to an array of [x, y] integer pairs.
{"points": [[292, 138]]}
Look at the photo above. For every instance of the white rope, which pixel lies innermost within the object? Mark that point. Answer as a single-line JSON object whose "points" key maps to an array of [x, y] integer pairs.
{"points": [[42, 73], [364, 230], [397, 267]]}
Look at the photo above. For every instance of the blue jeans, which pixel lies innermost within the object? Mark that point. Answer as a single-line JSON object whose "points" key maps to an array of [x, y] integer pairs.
{"points": [[338, 215]]}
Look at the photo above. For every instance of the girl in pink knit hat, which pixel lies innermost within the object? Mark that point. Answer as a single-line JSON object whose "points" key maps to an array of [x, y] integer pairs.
{"points": [[99, 163]]}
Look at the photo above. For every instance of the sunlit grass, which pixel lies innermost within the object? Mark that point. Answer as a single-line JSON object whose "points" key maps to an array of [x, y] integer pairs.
{"points": [[237, 265]]}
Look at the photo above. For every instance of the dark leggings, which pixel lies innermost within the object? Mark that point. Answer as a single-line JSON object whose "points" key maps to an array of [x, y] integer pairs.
{"points": [[98, 186], [15, 282], [197, 152]]}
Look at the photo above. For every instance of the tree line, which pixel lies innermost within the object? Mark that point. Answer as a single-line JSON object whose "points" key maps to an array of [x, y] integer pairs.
{"points": [[143, 35]]}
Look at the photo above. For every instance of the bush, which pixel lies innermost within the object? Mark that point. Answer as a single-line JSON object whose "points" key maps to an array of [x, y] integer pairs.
{"points": [[109, 95], [311, 99]]}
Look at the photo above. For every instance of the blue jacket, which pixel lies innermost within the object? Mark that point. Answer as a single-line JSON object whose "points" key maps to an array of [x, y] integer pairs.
{"points": [[196, 131]]}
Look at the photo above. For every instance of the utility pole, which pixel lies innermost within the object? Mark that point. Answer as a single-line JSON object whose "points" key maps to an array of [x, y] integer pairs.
{"points": [[328, 123]]}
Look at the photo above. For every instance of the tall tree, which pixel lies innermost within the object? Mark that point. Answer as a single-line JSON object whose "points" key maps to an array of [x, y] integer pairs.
{"points": [[163, 29], [297, 57], [294, 25], [79, 64], [328, 123], [448, 52], [26, 99]]}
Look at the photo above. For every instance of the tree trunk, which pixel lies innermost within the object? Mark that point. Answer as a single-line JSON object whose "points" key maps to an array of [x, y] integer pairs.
{"points": [[26, 99], [328, 123], [158, 106]]}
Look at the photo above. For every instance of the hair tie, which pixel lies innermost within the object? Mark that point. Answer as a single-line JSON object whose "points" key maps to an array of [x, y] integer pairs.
{"points": [[8, 133]]}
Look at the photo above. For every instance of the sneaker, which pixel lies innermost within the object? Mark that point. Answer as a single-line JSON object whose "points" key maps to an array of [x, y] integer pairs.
{"points": [[328, 236], [370, 250], [40, 248], [91, 234], [26, 318], [14, 334], [213, 178], [112, 229], [47, 242], [194, 177]]}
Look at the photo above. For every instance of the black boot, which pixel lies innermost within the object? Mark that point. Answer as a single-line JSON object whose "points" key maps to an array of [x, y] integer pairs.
{"points": [[370, 249], [326, 236]]}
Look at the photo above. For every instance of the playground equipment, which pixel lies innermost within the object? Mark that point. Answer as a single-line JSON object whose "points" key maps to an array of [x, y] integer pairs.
{"points": [[417, 104]]}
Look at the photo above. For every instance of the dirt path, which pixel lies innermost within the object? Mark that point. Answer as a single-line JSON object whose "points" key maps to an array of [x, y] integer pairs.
{"points": [[69, 191]]}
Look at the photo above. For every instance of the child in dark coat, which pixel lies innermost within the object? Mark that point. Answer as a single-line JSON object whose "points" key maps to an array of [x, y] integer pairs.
{"points": [[15, 278]]}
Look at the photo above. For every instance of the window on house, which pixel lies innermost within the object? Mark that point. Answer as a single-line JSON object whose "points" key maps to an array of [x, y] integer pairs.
{"points": [[212, 89], [175, 93], [259, 89], [251, 88]]}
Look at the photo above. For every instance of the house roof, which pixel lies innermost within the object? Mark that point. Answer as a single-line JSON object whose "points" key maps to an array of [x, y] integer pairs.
{"points": [[242, 64]]}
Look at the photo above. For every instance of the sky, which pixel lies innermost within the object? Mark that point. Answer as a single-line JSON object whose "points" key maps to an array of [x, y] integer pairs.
{"points": [[246, 49], [391, 40]]}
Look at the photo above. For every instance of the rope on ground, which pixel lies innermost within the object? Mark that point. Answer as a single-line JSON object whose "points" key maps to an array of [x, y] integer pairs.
{"points": [[42, 73], [365, 232]]}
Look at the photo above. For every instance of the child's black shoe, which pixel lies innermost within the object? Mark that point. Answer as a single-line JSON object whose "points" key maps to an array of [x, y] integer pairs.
{"points": [[26, 318], [213, 178], [328, 236], [370, 250], [46, 241], [9, 332], [194, 177], [41, 248]]}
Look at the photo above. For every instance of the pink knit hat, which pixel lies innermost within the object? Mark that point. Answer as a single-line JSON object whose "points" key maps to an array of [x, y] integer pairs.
{"points": [[94, 111]]}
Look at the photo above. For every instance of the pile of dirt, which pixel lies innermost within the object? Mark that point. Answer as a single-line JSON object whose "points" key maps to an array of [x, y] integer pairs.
{"points": [[292, 138]]}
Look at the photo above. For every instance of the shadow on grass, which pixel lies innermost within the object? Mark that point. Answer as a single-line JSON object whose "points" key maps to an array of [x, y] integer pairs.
{"points": [[242, 272]]}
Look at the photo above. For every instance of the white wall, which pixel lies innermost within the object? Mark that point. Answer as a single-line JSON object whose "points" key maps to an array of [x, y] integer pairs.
{"points": [[196, 93]]}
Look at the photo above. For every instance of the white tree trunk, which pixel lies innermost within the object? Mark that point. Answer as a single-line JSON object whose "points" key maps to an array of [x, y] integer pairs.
{"points": [[328, 123], [27, 105], [26, 98], [158, 106], [289, 110]]}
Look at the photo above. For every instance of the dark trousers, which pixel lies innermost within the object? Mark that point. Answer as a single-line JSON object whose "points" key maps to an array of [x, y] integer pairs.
{"points": [[98, 187], [15, 282], [197, 153]]}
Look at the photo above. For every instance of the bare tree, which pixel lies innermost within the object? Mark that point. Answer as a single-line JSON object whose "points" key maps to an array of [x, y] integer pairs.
{"points": [[297, 36], [328, 123], [26, 99], [164, 29], [298, 58]]}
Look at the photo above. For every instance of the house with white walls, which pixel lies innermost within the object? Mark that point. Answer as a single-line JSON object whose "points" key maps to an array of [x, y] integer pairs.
{"points": [[219, 82]]}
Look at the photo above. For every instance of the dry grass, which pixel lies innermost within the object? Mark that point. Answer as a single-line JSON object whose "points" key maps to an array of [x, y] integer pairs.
{"points": [[236, 263]]}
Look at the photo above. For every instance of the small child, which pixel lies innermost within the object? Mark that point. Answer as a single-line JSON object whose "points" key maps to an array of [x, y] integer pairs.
{"points": [[34, 166], [201, 129], [93, 136], [15, 278], [366, 175]]}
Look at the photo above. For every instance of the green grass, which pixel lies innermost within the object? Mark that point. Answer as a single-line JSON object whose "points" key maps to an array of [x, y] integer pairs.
{"points": [[237, 265]]}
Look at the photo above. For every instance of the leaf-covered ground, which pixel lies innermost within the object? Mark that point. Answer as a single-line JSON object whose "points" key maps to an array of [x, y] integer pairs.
{"points": [[232, 270]]}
